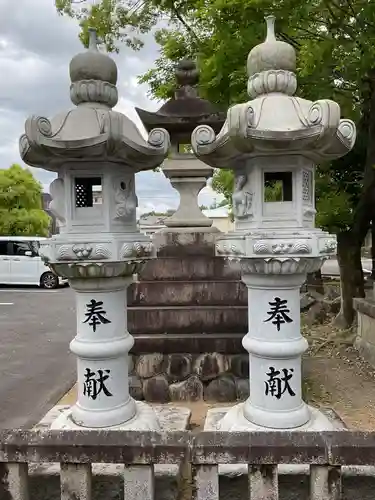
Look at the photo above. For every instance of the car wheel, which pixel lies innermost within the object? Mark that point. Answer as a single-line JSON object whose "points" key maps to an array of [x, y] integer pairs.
{"points": [[49, 281]]}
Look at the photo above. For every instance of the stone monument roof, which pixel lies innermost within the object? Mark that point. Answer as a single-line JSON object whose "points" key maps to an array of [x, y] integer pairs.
{"points": [[186, 109], [275, 122], [91, 129]]}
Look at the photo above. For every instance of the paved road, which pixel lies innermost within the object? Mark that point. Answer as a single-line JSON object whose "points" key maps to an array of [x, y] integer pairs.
{"points": [[36, 367]]}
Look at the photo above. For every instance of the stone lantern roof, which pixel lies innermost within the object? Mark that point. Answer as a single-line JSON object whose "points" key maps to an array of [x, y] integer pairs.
{"points": [[91, 130], [183, 112], [275, 121]]}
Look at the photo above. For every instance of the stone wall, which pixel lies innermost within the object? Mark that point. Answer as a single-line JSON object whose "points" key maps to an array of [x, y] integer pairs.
{"points": [[188, 314], [187, 300], [161, 378], [365, 340]]}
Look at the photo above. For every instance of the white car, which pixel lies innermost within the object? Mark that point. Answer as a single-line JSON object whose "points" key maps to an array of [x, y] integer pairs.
{"points": [[20, 263]]}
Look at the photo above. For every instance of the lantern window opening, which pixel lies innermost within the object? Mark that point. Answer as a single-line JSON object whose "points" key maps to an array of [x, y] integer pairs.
{"points": [[88, 191], [278, 187]]}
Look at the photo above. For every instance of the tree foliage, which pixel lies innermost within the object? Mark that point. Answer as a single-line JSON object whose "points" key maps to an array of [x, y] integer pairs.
{"points": [[222, 182], [333, 40], [21, 210], [334, 44]]}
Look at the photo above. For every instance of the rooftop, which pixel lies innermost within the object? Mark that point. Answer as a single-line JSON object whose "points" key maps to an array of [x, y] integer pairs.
{"points": [[186, 109]]}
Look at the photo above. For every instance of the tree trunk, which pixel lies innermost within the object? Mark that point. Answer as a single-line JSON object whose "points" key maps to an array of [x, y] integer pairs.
{"points": [[351, 275], [349, 243], [315, 281], [373, 249]]}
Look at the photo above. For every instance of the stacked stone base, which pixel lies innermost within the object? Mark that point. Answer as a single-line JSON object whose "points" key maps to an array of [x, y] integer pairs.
{"points": [[161, 378], [188, 314]]}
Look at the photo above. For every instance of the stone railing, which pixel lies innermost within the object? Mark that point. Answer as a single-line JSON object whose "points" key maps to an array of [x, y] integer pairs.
{"points": [[325, 452], [365, 338]]}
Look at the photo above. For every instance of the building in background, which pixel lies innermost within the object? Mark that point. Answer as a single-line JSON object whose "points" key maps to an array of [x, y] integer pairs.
{"points": [[221, 218], [150, 224]]}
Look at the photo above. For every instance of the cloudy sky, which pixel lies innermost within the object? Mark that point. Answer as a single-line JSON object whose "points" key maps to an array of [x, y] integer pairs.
{"points": [[36, 46]]}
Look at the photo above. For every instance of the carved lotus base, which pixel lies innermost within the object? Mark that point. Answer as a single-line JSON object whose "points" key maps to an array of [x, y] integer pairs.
{"points": [[106, 248], [281, 265], [79, 270], [273, 246]]}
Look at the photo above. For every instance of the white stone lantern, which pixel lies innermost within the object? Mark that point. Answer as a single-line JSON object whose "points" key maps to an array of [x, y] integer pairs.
{"points": [[273, 144], [96, 152]]}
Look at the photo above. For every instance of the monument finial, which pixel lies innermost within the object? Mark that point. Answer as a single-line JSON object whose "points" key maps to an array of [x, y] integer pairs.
{"points": [[187, 77], [93, 39], [270, 21], [93, 75], [187, 72], [272, 54]]}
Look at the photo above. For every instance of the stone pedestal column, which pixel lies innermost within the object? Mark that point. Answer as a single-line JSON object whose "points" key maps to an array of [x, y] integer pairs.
{"points": [[102, 346], [99, 246], [188, 213], [273, 143], [275, 347]]}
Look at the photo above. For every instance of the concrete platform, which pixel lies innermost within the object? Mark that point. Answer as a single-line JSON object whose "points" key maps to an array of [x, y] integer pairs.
{"points": [[108, 478], [44, 481], [145, 419], [357, 482], [214, 419], [232, 419]]}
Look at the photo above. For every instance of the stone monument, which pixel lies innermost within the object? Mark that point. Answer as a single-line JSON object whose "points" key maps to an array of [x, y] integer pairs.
{"points": [[273, 144], [188, 310], [99, 247], [180, 115]]}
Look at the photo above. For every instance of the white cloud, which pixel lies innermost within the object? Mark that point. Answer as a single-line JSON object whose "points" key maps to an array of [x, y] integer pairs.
{"points": [[36, 46]]}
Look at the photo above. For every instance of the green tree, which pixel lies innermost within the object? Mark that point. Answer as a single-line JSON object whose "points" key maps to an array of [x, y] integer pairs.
{"points": [[222, 182], [334, 42], [21, 210]]}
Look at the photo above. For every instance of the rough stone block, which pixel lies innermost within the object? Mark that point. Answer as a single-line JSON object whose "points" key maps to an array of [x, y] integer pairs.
{"points": [[185, 293], [172, 244], [156, 390], [178, 367], [135, 387], [149, 365], [239, 365], [209, 365], [189, 319], [221, 389], [190, 268], [131, 363], [243, 388], [188, 390], [194, 343]]}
